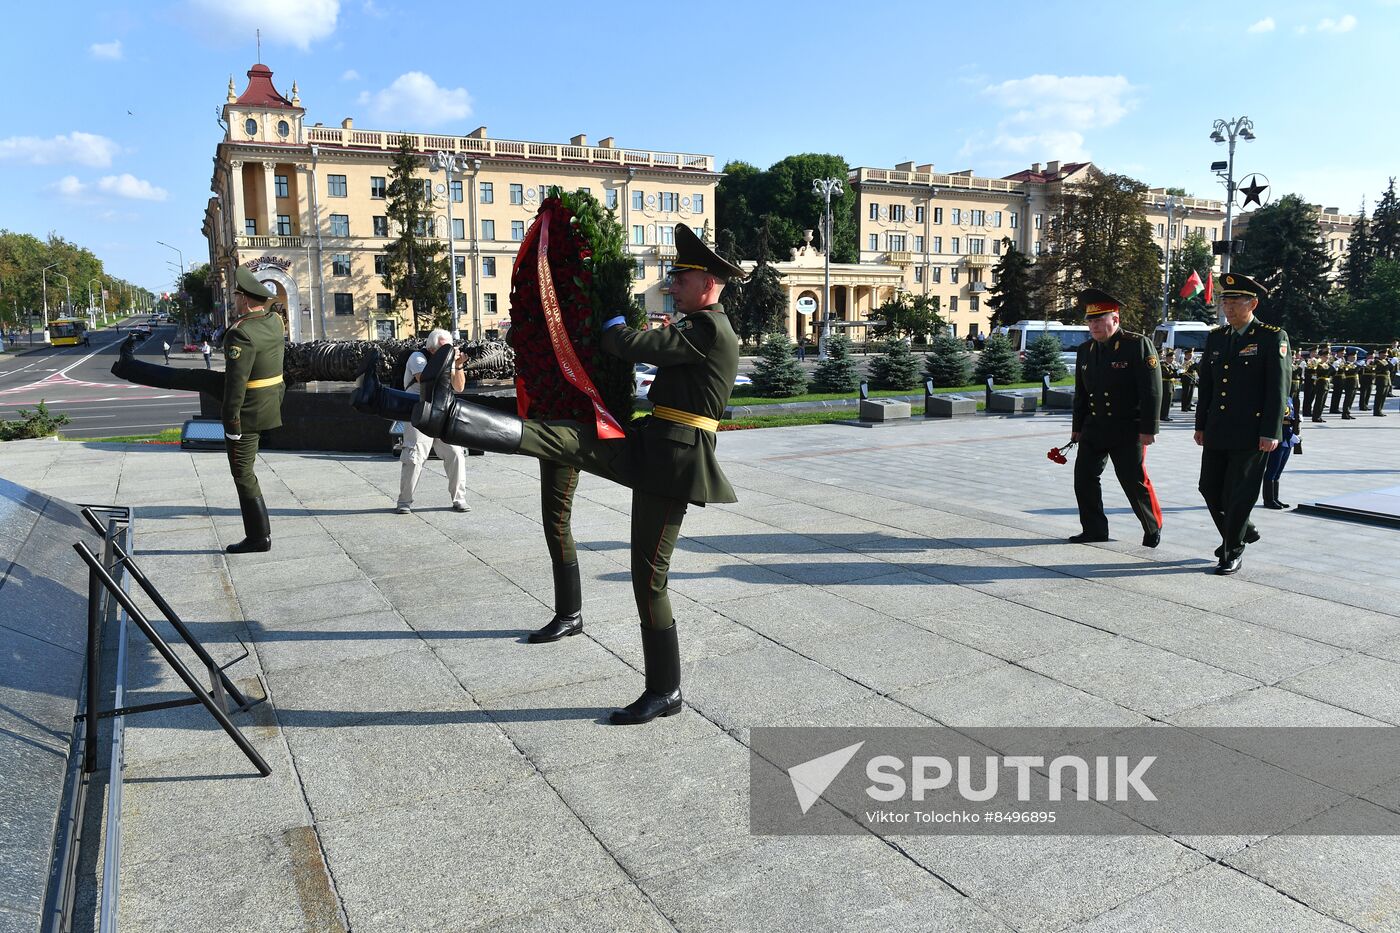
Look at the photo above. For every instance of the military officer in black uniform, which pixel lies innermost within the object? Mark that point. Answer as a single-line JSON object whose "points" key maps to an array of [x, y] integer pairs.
{"points": [[1117, 398], [1188, 379], [668, 459], [1244, 382]]}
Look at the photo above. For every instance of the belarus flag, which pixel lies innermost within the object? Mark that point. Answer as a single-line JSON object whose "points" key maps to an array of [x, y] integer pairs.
{"points": [[1193, 286]]}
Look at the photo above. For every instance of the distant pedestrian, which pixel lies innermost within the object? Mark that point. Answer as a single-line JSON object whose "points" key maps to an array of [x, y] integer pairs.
{"points": [[206, 350], [165, 348], [801, 351]]}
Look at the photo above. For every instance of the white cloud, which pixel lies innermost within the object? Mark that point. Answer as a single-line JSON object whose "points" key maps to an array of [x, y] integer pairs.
{"points": [[127, 185], [111, 51], [350, 75], [1346, 24], [414, 99], [1049, 114], [69, 187], [294, 22], [82, 148], [1266, 24]]}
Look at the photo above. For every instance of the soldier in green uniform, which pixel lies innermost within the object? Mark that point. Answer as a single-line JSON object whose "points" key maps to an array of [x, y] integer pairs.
{"points": [[1338, 364], [1384, 376], [1322, 380], [1171, 372], [1117, 397], [1349, 379], [1188, 379], [1309, 368], [667, 459], [1368, 376], [1295, 380], [1244, 382]]}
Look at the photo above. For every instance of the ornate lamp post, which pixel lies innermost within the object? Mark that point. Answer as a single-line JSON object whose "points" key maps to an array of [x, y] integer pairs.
{"points": [[825, 188], [1229, 131], [454, 163]]}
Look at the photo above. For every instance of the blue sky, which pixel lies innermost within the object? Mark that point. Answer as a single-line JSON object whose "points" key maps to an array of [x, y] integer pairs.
{"points": [[109, 114]]}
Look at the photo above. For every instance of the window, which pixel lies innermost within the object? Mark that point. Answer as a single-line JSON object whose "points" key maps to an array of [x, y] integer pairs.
{"points": [[957, 246], [1015, 220], [344, 303], [250, 226], [1160, 227], [874, 241], [956, 216], [937, 274], [897, 213], [918, 244], [461, 266], [953, 302], [874, 211], [938, 244], [336, 187], [488, 230], [639, 235], [517, 230], [459, 228], [670, 201], [584, 189], [1037, 247], [918, 215], [938, 215], [517, 194], [668, 235], [1173, 231], [427, 188], [386, 330], [381, 225], [488, 267], [668, 303], [455, 187], [1039, 219], [488, 192], [996, 247], [896, 242], [378, 187], [340, 264], [284, 224], [637, 198], [979, 218], [996, 218], [953, 274], [610, 199], [383, 302], [488, 302], [340, 225], [664, 267], [279, 184], [381, 264], [639, 269], [918, 275], [952, 330], [976, 245], [974, 303], [697, 203]]}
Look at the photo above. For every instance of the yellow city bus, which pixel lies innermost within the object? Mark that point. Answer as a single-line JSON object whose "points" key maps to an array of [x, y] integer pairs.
{"points": [[68, 332]]}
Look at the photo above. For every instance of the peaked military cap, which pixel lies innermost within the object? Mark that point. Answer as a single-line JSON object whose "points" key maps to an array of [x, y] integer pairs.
{"points": [[1232, 283], [245, 282], [1095, 302], [692, 253]]}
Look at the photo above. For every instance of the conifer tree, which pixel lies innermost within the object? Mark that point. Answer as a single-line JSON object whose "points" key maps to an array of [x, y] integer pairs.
{"points": [[777, 373], [896, 367], [1044, 356], [998, 360], [947, 363], [415, 271], [1012, 293], [838, 372], [1385, 226]]}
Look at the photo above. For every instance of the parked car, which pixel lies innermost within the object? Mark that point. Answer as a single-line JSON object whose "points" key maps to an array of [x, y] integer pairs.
{"points": [[1361, 353], [645, 375]]}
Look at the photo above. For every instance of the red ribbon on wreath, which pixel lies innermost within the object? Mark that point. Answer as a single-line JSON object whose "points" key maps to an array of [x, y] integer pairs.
{"points": [[564, 352]]}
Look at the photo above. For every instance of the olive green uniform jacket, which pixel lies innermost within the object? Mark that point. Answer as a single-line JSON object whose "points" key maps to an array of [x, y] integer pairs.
{"points": [[697, 358], [253, 348], [1244, 381]]}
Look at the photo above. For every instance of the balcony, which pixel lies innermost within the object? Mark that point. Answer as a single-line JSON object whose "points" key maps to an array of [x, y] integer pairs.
{"points": [[268, 242], [664, 252], [976, 287], [899, 257], [980, 260]]}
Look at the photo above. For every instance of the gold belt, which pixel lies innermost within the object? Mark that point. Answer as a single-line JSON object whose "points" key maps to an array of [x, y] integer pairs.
{"points": [[264, 383], [686, 418]]}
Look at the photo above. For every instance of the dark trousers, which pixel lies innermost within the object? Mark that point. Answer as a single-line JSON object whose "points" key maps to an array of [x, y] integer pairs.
{"points": [[1337, 397], [1382, 393], [1319, 400], [1307, 398], [1128, 465], [557, 485], [1366, 392], [242, 457], [1348, 397], [1230, 483], [1278, 459], [656, 520], [1188, 390], [1165, 413]]}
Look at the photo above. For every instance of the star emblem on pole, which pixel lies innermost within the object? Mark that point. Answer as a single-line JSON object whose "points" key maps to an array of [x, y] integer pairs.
{"points": [[1252, 191]]}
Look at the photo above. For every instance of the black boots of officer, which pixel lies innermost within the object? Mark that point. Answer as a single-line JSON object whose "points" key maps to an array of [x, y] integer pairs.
{"points": [[441, 414], [372, 397], [257, 530], [568, 606], [1271, 500], [662, 696]]}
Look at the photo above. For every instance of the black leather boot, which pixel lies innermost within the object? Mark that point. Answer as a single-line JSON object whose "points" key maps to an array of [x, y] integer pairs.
{"points": [[1278, 504], [662, 696], [372, 397], [256, 528], [568, 606], [465, 424]]}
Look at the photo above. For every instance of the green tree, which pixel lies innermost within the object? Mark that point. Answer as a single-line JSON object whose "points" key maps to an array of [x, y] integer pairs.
{"points": [[904, 314], [1101, 238], [1043, 355], [415, 269], [737, 194], [761, 301], [1385, 225], [838, 372], [789, 199], [895, 368], [1356, 267], [948, 363], [1194, 255], [777, 373], [1012, 292], [1285, 253], [1374, 317], [998, 360]]}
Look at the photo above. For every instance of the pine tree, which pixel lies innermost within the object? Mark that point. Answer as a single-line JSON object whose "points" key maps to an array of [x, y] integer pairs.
{"points": [[1284, 252], [777, 373], [998, 360], [1012, 296], [1044, 356], [1356, 267], [896, 367], [415, 270], [947, 363], [763, 299], [1385, 225], [838, 372]]}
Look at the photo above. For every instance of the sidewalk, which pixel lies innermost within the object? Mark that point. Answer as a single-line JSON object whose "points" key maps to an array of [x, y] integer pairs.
{"points": [[433, 772]]}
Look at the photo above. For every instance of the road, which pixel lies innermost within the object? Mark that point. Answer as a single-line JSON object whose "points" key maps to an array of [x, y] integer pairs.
{"points": [[77, 382]]}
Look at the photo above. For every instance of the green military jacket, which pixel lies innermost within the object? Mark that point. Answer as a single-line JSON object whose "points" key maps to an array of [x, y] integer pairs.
{"points": [[1244, 381], [253, 387], [697, 358], [1380, 370], [1117, 390]]}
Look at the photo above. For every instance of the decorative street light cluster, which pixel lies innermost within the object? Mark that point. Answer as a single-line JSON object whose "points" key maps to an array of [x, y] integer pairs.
{"points": [[826, 188], [1223, 132], [455, 164]]}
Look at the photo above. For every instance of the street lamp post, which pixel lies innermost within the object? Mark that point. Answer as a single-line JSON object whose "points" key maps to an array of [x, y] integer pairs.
{"points": [[44, 276], [68, 290], [1229, 131], [457, 163], [825, 188], [1172, 204], [92, 309]]}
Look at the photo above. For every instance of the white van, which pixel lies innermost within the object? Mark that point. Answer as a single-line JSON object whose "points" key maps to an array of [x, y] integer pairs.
{"points": [[1181, 335], [1024, 333]]}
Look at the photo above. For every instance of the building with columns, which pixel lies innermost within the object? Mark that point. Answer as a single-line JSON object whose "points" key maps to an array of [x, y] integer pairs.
{"points": [[304, 207]]}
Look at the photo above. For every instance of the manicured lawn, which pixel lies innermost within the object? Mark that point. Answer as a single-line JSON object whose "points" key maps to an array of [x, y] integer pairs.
{"points": [[168, 436]]}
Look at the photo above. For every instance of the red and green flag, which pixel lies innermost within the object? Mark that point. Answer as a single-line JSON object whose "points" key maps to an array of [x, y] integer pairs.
{"points": [[1193, 286]]}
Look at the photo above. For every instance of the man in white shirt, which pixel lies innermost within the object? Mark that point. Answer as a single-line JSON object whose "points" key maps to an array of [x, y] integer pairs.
{"points": [[416, 444]]}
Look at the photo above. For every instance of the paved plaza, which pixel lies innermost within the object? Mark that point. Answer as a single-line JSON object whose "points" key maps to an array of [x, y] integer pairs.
{"points": [[433, 772]]}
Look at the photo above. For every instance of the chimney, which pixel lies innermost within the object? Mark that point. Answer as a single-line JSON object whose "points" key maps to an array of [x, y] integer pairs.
{"points": [[607, 143], [926, 169], [478, 133], [347, 124], [1331, 210], [1035, 167], [579, 140], [1052, 168], [904, 167]]}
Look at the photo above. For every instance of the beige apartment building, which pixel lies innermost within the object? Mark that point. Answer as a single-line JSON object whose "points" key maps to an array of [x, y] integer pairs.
{"points": [[304, 206]]}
